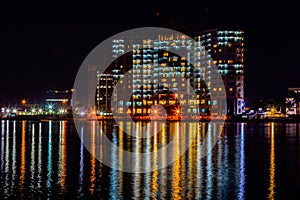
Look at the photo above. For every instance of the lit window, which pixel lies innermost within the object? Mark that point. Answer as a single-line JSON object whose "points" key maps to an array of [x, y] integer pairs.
{"points": [[120, 110]]}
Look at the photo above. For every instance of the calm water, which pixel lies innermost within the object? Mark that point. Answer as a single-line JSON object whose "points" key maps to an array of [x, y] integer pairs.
{"points": [[46, 160]]}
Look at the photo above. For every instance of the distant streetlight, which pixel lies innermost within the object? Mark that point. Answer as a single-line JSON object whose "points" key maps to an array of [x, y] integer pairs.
{"points": [[23, 101], [50, 106], [82, 113]]}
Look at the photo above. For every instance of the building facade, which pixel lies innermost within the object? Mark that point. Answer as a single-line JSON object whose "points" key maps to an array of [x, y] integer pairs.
{"points": [[59, 100], [293, 101], [160, 76], [226, 48]]}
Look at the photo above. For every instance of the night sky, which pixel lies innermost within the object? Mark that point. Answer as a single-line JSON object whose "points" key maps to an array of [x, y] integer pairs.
{"points": [[42, 49]]}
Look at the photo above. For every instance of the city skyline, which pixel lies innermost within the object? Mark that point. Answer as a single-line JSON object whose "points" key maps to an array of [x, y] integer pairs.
{"points": [[156, 74], [39, 57]]}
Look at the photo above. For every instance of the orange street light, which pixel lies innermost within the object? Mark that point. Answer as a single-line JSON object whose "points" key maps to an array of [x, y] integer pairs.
{"points": [[23, 102]]}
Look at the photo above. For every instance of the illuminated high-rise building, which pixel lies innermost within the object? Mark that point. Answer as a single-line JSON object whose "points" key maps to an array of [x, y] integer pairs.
{"points": [[159, 76], [226, 48]]}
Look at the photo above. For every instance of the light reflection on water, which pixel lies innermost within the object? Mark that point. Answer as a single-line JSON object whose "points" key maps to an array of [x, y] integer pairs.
{"points": [[47, 159], [39, 165], [272, 165], [49, 162], [81, 164], [23, 159], [32, 158], [242, 176], [62, 164], [6, 170]]}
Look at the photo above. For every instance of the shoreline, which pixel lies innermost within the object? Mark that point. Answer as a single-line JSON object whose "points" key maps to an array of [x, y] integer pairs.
{"points": [[70, 118]]}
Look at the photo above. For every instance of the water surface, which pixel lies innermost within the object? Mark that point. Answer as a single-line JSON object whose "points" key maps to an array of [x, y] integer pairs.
{"points": [[249, 161]]}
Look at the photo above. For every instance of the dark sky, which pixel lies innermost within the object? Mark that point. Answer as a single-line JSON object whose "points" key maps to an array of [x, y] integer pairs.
{"points": [[42, 48]]}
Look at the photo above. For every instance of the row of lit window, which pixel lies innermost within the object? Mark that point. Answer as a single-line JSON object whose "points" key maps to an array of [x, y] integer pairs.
{"points": [[230, 32], [162, 38], [103, 86], [105, 79], [148, 41], [119, 51], [171, 101], [117, 46], [118, 41], [235, 65], [223, 61], [103, 75]]}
